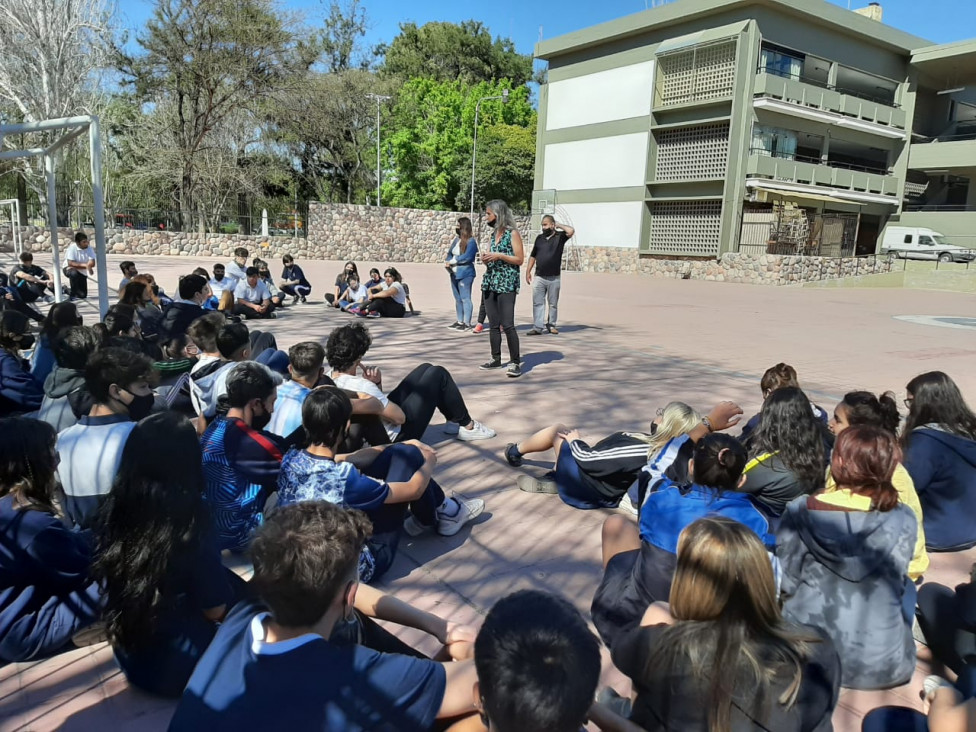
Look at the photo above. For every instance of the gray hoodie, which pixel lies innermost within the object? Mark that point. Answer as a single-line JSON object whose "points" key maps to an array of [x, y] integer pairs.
{"points": [[66, 398], [846, 571]]}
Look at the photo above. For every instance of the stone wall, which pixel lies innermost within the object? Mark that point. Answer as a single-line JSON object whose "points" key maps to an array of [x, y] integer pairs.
{"points": [[345, 231]]}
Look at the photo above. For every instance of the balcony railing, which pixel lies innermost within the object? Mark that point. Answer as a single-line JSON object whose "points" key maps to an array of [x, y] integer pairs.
{"points": [[970, 134], [876, 98], [939, 207], [819, 161]]}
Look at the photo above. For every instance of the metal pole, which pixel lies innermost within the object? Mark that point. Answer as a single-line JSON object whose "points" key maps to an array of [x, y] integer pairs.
{"points": [[52, 226], [378, 169], [474, 153], [95, 144]]}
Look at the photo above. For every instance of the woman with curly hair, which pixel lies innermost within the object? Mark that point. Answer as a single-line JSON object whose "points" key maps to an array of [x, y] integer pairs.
{"points": [[787, 456], [166, 588]]}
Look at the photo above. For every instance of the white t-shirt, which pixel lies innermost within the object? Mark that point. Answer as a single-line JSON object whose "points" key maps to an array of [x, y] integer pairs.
{"points": [[365, 386], [399, 294], [257, 294], [356, 295], [235, 273], [219, 286], [81, 256]]}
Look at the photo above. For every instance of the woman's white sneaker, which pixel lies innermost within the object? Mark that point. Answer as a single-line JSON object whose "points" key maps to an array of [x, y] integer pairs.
{"points": [[456, 512], [477, 431]]}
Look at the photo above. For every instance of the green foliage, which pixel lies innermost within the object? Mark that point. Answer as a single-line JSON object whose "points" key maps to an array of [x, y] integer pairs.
{"points": [[455, 52], [506, 166], [344, 28], [431, 142]]}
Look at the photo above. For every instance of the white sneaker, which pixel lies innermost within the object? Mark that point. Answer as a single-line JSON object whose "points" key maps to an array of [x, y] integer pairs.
{"points": [[456, 512], [413, 527], [478, 431], [627, 505]]}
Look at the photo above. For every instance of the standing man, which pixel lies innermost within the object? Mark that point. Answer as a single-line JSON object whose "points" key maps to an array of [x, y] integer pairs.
{"points": [[546, 258], [79, 263]]}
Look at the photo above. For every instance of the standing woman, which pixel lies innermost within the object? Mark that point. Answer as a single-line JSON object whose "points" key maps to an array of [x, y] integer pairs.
{"points": [[501, 284], [460, 266]]}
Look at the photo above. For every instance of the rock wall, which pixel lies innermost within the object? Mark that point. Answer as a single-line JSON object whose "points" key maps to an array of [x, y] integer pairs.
{"points": [[345, 231]]}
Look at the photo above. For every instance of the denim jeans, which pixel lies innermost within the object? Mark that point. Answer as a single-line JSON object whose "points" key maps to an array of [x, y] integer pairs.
{"points": [[462, 298], [544, 289]]}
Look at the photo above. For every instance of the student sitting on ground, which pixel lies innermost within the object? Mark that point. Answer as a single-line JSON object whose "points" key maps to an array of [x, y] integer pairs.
{"points": [[275, 665], [119, 384], [46, 595], [776, 377], [264, 274], [380, 481], [32, 282], [222, 287], [721, 656], [408, 409], [173, 370], [20, 391], [389, 299], [590, 477], [240, 460], [129, 271], [212, 302], [166, 588], [293, 280], [374, 279], [208, 374], [252, 298], [353, 297], [845, 558], [194, 293], [66, 396], [864, 408], [341, 280], [939, 440], [951, 708], [306, 363], [60, 316], [948, 622], [138, 295], [639, 561], [786, 452], [237, 269]]}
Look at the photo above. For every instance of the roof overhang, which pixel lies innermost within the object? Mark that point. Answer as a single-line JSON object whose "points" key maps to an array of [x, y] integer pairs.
{"points": [[947, 66], [821, 192]]}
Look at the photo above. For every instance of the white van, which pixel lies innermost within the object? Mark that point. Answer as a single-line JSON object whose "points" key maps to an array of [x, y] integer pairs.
{"points": [[912, 242]]}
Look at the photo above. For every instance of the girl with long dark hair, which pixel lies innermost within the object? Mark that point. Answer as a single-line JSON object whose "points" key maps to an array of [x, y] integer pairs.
{"points": [[939, 440], [786, 451], [388, 300], [60, 316], [500, 285], [20, 390], [845, 558], [166, 588], [864, 408], [459, 262], [46, 594], [720, 656], [332, 298]]}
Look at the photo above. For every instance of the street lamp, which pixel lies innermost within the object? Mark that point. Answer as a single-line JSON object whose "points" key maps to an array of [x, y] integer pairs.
{"points": [[474, 148], [379, 100]]}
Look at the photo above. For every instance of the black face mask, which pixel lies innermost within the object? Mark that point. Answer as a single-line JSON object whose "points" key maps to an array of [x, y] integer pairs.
{"points": [[492, 223], [140, 406], [26, 342], [260, 421], [218, 277], [653, 428]]}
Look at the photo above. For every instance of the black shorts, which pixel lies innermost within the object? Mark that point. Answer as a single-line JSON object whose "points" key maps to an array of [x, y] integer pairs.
{"points": [[631, 582]]}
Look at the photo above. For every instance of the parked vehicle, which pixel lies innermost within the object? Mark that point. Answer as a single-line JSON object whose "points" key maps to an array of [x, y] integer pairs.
{"points": [[913, 242]]}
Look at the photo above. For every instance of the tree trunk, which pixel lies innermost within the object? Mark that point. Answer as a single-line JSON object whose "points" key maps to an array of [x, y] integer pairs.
{"points": [[22, 199]]}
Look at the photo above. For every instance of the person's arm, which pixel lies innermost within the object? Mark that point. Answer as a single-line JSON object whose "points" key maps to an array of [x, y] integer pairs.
{"points": [[363, 458], [458, 692], [345, 294], [411, 490], [374, 295], [566, 229], [657, 613], [468, 255], [608, 721], [19, 385], [529, 267], [19, 274], [920, 461], [723, 416], [366, 404]]}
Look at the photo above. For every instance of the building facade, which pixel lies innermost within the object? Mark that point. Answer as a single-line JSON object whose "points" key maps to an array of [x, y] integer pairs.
{"points": [[756, 126]]}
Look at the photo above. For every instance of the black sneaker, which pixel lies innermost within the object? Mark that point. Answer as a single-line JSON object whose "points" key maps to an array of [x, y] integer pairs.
{"points": [[514, 370], [513, 456], [492, 365], [456, 326]]}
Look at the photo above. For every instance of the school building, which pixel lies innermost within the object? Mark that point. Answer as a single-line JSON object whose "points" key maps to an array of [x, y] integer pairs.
{"points": [[757, 126]]}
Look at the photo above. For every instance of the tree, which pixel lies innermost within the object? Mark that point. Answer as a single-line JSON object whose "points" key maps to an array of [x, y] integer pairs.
{"points": [[430, 146], [51, 53], [451, 52], [210, 59], [341, 36], [506, 166]]}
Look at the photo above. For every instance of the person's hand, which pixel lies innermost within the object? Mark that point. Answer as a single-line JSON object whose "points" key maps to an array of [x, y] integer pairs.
{"points": [[489, 257], [724, 415], [91, 266], [528, 277], [447, 265], [459, 641], [571, 435], [372, 373], [429, 453]]}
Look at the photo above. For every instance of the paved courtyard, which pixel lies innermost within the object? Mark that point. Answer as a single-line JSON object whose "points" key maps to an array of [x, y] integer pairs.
{"points": [[627, 346]]}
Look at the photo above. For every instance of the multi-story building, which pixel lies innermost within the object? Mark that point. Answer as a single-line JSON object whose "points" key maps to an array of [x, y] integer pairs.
{"points": [[785, 126]]}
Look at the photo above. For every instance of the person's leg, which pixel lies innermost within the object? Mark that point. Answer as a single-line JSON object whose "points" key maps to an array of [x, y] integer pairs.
{"points": [[456, 291], [467, 307], [22, 307], [620, 534], [49, 629], [939, 621], [30, 292], [78, 284], [544, 439], [364, 429], [538, 303], [894, 719], [506, 307], [244, 311], [397, 464], [289, 290], [425, 389], [261, 341], [482, 312], [494, 320], [552, 295]]}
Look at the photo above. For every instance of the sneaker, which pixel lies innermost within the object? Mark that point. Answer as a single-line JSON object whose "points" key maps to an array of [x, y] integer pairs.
{"points": [[514, 370], [479, 328], [413, 527], [48, 299], [492, 365], [455, 326], [304, 300], [512, 455], [294, 299], [531, 484], [477, 432], [534, 331], [552, 329], [90, 636], [456, 512], [372, 314], [627, 505]]}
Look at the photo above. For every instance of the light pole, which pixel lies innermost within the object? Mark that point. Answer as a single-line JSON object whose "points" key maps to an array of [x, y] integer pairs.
{"points": [[77, 202], [379, 100], [474, 148]]}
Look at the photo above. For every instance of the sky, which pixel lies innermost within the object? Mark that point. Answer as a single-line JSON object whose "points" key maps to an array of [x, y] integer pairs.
{"points": [[525, 21]]}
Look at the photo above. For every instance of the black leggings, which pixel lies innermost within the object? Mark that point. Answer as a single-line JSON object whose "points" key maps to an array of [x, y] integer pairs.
{"points": [[425, 389], [387, 307], [501, 312], [943, 616]]}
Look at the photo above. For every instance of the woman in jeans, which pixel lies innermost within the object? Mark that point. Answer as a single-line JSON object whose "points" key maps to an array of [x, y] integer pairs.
{"points": [[459, 262], [500, 285]]}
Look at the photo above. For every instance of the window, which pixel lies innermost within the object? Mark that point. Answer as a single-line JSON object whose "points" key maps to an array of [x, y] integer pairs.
{"points": [[773, 142], [908, 238], [781, 64], [926, 241]]}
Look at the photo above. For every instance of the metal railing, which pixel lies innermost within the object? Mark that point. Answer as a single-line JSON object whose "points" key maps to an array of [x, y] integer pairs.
{"points": [[819, 161], [876, 98], [958, 137], [937, 207]]}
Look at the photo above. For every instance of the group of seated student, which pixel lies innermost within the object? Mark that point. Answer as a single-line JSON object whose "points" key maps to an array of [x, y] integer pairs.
{"points": [[762, 573], [387, 297]]}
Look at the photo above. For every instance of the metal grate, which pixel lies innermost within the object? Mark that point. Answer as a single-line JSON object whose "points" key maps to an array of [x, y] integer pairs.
{"points": [[697, 74], [697, 152], [689, 228]]}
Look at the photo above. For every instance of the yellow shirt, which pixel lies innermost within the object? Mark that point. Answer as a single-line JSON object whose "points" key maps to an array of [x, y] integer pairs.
{"points": [[906, 494]]}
